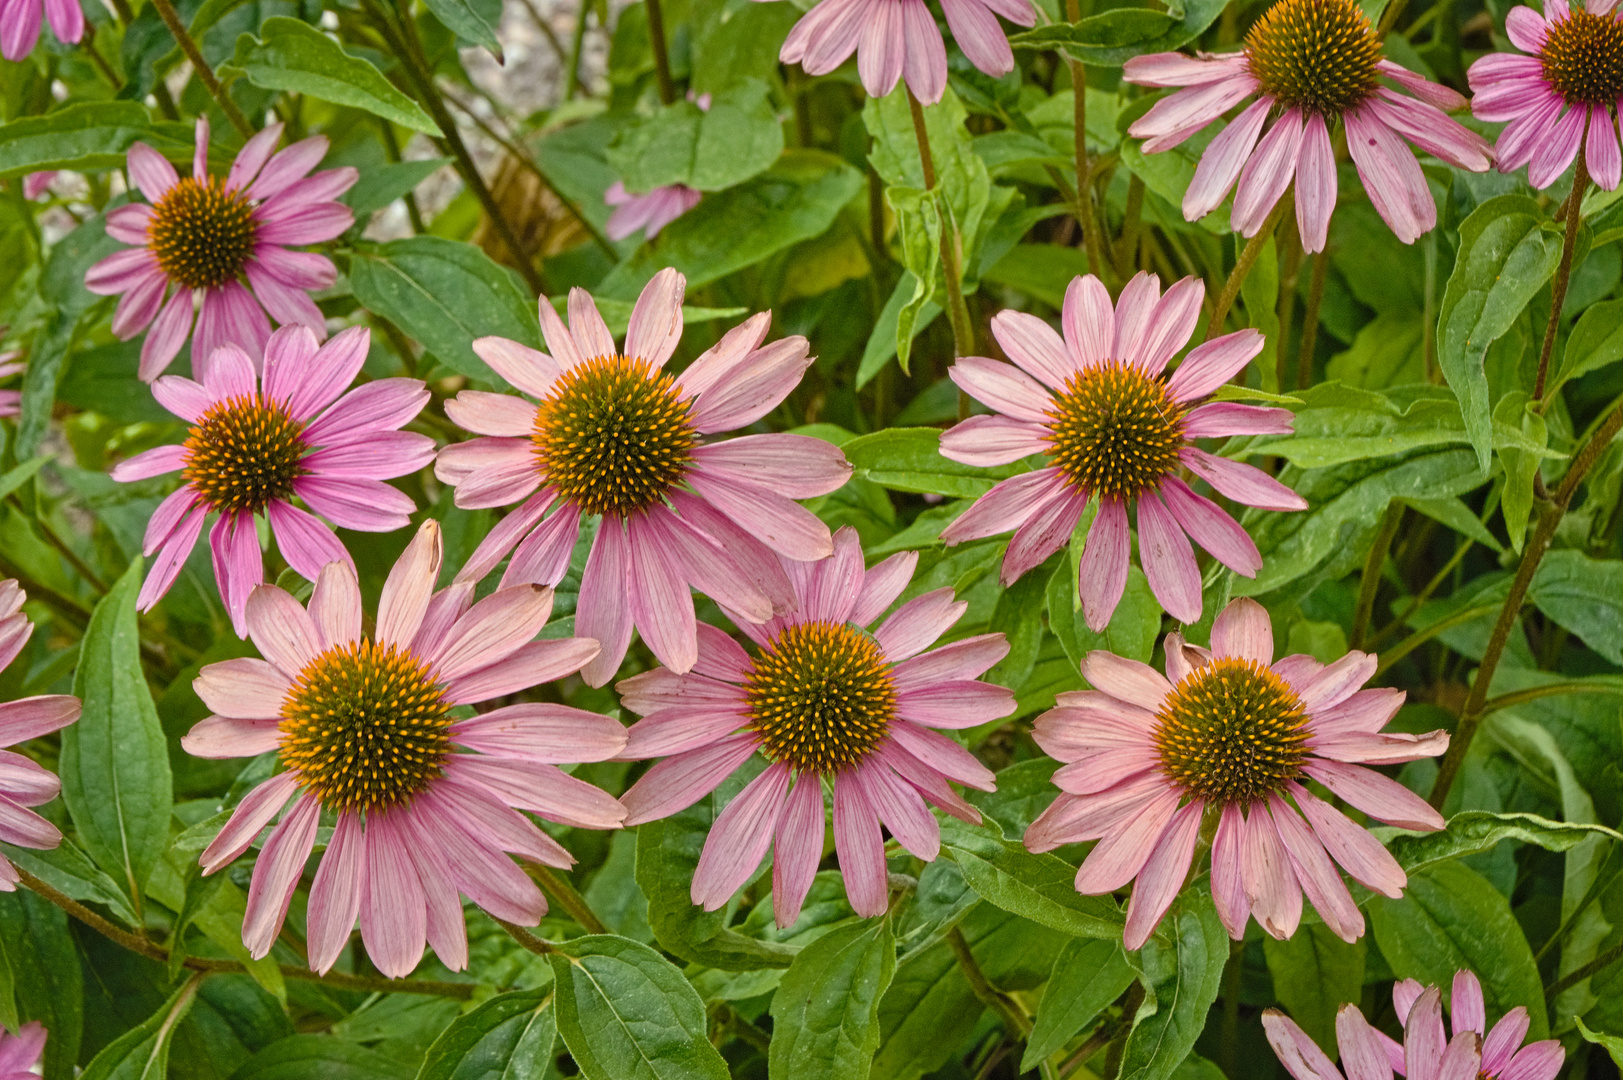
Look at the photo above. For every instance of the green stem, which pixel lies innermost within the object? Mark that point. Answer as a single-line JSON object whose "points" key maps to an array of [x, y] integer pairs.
{"points": [[183, 38], [729, 1021], [1550, 512], [1014, 1022], [1563, 271], [1520, 697], [1595, 966], [1371, 583], [662, 60], [963, 331], [539, 946], [204, 966], [568, 898], [88, 44], [1086, 215], [1310, 320], [1242, 266], [1425, 634], [575, 48], [1230, 1042]]}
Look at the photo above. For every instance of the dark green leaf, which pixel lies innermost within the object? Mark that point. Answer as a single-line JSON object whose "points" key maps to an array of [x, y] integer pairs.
{"points": [[383, 184], [142, 1053], [825, 1014], [737, 138], [1183, 969], [303, 1057], [1472, 832], [1508, 250], [1133, 626], [1450, 918], [1314, 973], [1038, 887], [296, 57], [46, 976], [1584, 595], [909, 459], [445, 295], [509, 1037], [1088, 976], [115, 762], [85, 137], [472, 20], [626, 1013], [1595, 342], [1114, 37]]}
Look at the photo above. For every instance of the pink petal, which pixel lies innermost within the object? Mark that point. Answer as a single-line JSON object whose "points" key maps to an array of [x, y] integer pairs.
{"points": [[860, 848], [739, 838], [276, 874]]}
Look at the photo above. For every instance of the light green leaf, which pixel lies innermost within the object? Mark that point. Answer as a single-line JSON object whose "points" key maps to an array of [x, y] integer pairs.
{"points": [[295, 57], [85, 137], [472, 20], [1612, 1044], [1450, 918], [1584, 595], [1088, 976], [918, 227], [509, 1037], [1182, 971], [825, 1014], [115, 760], [1521, 466], [1112, 38], [737, 138], [1314, 973], [626, 1013], [1596, 341], [1472, 832], [1133, 626], [909, 459], [302, 1057], [1037, 887], [142, 1053]]}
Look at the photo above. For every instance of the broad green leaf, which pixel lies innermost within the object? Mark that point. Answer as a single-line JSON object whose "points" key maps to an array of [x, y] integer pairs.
{"points": [[1595, 342], [16, 478], [737, 138], [302, 1057], [295, 57], [1450, 918], [626, 1013], [909, 459], [940, 902], [84, 137], [1508, 250], [1472, 832], [1260, 293], [1336, 424], [796, 199], [882, 341], [1133, 626], [1042, 271], [1521, 466], [1584, 595], [825, 1014], [1182, 971], [1037, 887], [733, 42], [472, 20], [1314, 973], [47, 978], [1169, 173], [1457, 516], [918, 228], [961, 176], [667, 856], [142, 1053], [445, 295], [1612, 1044], [115, 760], [1114, 37], [71, 872], [383, 184], [1088, 976], [509, 1037]]}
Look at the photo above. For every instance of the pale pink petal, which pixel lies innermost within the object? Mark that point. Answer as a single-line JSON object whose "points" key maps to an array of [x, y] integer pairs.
{"points": [[407, 588], [1299, 1054], [276, 874], [1223, 159], [739, 838], [1242, 483], [1209, 526], [797, 848], [335, 894], [678, 782], [1123, 851], [1270, 882], [917, 624], [1089, 321], [1163, 875], [1004, 388], [798, 466], [860, 847], [1376, 795], [1010, 504]]}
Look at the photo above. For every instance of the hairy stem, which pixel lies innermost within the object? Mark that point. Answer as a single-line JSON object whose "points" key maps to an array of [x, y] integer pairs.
{"points": [[1595, 966], [1563, 271], [1242, 266], [183, 38], [1371, 583], [963, 331], [1086, 216], [662, 60], [539, 946], [559, 888], [1014, 1021]]}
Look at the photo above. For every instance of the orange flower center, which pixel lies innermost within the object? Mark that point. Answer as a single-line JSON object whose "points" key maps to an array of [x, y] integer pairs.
{"points": [[1232, 732], [202, 234], [821, 697]]}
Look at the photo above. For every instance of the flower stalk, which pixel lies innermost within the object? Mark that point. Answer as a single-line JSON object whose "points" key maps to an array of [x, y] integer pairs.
{"points": [[1242, 266], [963, 330], [1563, 271], [183, 37]]}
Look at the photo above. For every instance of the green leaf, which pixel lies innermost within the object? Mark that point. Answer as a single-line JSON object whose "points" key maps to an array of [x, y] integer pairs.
{"points": [[1457, 516], [1336, 424], [882, 340], [825, 1014], [471, 20], [1260, 292], [667, 857], [1521, 466], [1133, 626], [626, 1013], [115, 761], [84, 137], [383, 184], [1595, 342], [918, 228], [1037, 887], [961, 176], [46, 975], [1472, 832], [1088, 976], [1508, 250], [1450, 918], [509, 1037], [16, 478], [142, 1053], [737, 138], [295, 57], [302, 1057], [909, 459], [796, 199], [1182, 971], [1314, 973], [1612, 1044], [1114, 37], [1041, 271], [70, 871], [1583, 595], [444, 295]]}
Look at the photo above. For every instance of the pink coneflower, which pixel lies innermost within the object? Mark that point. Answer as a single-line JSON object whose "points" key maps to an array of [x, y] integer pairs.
{"points": [[1562, 95], [650, 212], [896, 39], [36, 184], [20, 23], [614, 435], [426, 803], [1231, 733], [257, 442], [1313, 63], [19, 1053], [1114, 428], [11, 401], [822, 700], [204, 235], [1426, 1050], [22, 782]]}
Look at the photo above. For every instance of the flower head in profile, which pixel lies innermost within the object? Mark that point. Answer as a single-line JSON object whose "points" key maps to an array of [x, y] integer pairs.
{"points": [[23, 783], [609, 433], [823, 700], [897, 39], [11, 401], [1564, 94], [1309, 64], [20, 24], [257, 442], [650, 212], [1427, 1049], [1117, 430], [198, 239], [426, 799], [19, 1053], [1231, 733]]}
